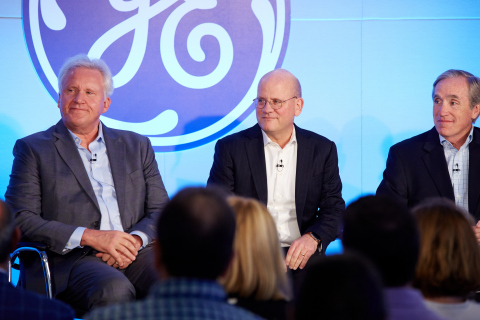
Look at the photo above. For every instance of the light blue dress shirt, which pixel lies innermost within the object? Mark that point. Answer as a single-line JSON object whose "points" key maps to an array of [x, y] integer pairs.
{"points": [[458, 164], [98, 169]]}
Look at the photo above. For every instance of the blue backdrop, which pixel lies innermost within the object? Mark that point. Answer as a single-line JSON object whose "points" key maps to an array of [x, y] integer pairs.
{"points": [[366, 68]]}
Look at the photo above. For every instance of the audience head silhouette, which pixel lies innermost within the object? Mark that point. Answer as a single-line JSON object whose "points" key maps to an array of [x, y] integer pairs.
{"points": [[449, 263], [341, 287], [195, 235], [383, 230]]}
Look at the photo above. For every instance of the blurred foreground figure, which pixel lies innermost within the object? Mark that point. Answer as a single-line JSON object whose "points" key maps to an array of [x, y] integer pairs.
{"points": [[194, 248], [351, 289], [256, 279], [384, 231], [449, 265], [18, 304]]}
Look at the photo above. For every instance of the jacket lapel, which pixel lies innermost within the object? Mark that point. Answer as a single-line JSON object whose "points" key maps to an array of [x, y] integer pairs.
{"points": [[68, 152], [304, 171], [116, 157], [474, 172], [436, 164], [256, 158]]}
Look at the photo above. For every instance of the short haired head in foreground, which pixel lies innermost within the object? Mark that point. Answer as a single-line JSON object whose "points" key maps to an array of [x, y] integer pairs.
{"points": [[449, 263], [341, 287], [384, 231], [7, 227], [83, 61], [195, 234], [257, 268]]}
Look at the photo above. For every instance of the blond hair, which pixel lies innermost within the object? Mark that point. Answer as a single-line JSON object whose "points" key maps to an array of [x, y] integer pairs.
{"points": [[257, 269], [449, 262]]}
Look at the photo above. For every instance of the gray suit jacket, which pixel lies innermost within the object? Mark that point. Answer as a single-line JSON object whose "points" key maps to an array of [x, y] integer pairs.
{"points": [[51, 194], [239, 167]]}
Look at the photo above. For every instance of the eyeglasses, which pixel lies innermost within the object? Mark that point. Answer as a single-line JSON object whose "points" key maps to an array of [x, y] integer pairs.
{"points": [[260, 103]]}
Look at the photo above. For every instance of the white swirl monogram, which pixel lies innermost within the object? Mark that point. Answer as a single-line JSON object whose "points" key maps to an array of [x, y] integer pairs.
{"points": [[273, 29]]}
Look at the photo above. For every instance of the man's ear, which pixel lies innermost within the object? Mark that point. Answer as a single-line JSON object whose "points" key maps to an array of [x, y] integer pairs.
{"points": [[298, 106], [16, 235], [159, 265], [475, 112], [229, 265]]}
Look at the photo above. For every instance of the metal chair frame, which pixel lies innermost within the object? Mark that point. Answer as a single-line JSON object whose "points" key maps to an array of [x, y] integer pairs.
{"points": [[44, 261]]}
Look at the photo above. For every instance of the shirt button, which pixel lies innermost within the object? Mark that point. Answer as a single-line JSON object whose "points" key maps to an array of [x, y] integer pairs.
{"points": [[279, 197]]}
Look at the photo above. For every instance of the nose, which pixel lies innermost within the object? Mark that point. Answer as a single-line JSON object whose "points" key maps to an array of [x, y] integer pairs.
{"points": [[79, 97], [268, 105], [442, 109]]}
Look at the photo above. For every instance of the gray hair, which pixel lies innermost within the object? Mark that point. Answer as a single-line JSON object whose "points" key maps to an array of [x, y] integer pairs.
{"points": [[83, 61], [473, 84], [7, 226]]}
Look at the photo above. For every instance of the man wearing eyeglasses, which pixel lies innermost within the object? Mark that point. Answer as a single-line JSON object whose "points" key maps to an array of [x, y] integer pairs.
{"points": [[293, 171]]}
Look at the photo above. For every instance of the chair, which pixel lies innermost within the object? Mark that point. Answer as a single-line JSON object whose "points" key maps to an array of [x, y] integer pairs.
{"points": [[40, 249]]}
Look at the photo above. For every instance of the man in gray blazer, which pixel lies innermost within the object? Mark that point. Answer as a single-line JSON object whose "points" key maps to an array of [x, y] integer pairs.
{"points": [[90, 193]]}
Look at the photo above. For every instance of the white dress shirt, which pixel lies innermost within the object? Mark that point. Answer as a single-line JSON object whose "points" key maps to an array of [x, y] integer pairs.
{"points": [[281, 165]]}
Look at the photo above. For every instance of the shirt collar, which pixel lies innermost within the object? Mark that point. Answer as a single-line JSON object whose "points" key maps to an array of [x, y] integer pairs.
{"points": [[267, 140], [469, 138], [99, 137]]}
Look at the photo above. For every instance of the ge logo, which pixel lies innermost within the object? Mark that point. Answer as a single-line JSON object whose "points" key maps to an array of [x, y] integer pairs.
{"points": [[185, 72]]}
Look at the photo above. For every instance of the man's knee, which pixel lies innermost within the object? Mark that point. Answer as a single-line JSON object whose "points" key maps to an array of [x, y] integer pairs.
{"points": [[116, 289]]}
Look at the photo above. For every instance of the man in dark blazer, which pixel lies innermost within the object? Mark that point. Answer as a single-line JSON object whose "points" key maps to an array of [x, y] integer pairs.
{"points": [[291, 170], [90, 193], [442, 162], [15, 303]]}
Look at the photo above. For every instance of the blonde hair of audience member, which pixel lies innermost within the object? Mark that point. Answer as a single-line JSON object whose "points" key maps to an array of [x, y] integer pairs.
{"points": [[449, 262], [257, 269]]}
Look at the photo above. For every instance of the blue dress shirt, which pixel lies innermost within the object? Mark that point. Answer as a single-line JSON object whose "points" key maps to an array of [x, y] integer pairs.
{"points": [[98, 169]]}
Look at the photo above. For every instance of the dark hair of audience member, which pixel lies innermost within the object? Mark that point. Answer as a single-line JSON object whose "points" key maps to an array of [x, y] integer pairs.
{"points": [[257, 269], [383, 230], [449, 263], [195, 234], [7, 226], [341, 287]]}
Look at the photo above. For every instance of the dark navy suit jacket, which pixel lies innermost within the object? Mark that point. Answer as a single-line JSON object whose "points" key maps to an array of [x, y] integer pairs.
{"points": [[239, 167], [51, 194], [18, 304], [417, 170]]}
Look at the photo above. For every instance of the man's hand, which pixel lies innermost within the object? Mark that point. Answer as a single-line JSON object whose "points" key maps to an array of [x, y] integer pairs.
{"points": [[476, 230], [300, 251], [126, 262], [115, 243], [111, 261]]}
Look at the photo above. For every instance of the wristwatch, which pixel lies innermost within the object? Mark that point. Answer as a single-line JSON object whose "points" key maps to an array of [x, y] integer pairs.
{"points": [[315, 237]]}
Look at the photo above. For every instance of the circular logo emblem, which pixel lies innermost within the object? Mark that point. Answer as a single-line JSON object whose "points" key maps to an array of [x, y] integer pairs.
{"points": [[185, 72]]}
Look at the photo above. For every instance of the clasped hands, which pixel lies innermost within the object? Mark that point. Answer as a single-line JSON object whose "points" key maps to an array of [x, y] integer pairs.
{"points": [[300, 251], [117, 248]]}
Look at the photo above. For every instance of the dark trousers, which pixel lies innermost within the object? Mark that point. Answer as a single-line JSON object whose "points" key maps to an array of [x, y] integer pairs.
{"points": [[93, 283], [298, 275]]}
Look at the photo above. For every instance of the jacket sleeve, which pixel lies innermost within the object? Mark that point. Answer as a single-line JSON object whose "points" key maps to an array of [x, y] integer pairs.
{"points": [[394, 183], [222, 173], [24, 196], [156, 197], [330, 203]]}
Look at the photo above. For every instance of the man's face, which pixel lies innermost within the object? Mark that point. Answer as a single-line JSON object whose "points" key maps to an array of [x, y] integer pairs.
{"points": [[278, 123], [451, 109], [82, 100]]}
